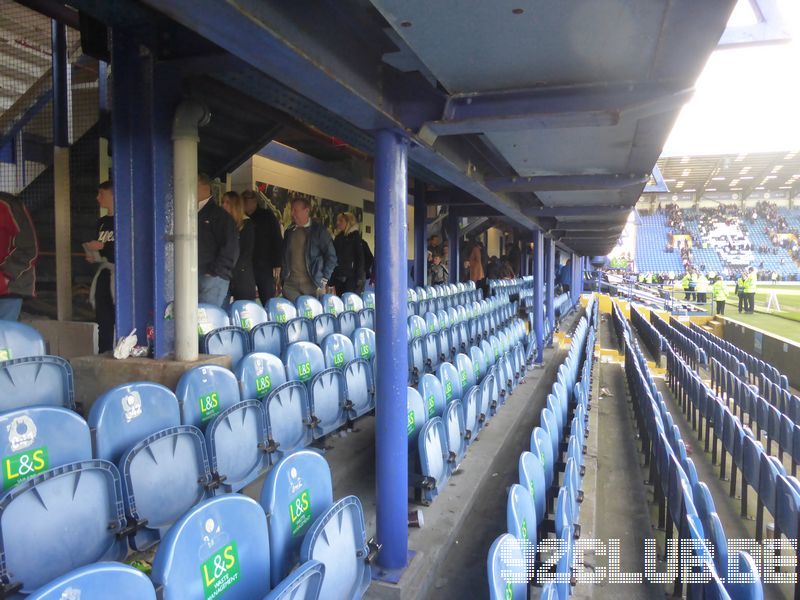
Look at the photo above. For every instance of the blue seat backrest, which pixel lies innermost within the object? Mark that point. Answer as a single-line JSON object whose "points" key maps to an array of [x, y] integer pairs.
{"points": [[521, 515], [332, 304], [304, 583], [433, 454], [247, 314], [205, 391], [466, 372], [451, 382], [364, 343], [296, 492], [127, 414], [227, 341], [258, 374], [83, 497], [18, 340], [532, 476], [95, 581], [338, 350], [352, 302], [369, 299], [432, 322], [478, 362], [303, 361], [417, 415], [541, 445], [338, 539], [210, 317], [416, 326], [749, 570], [267, 337], [40, 438], [219, 548], [507, 569], [36, 380], [430, 388], [308, 306], [281, 310]]}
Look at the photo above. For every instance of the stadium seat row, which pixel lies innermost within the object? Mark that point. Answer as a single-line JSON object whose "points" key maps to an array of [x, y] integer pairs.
{"points": [[685, 503], [226, 545], [512, 559]]}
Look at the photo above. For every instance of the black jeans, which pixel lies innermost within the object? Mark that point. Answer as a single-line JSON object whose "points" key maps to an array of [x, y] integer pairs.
{"points": [[104, 312], [265, 283], [720, 307], [742, 302], [751, 301]]}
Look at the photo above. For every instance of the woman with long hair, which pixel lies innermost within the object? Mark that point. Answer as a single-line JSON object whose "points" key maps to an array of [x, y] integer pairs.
{"points": [[349, 273], [243, 281]]}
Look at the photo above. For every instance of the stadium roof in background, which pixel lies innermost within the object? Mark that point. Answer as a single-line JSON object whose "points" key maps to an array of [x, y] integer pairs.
{"points": [[768, 175]]}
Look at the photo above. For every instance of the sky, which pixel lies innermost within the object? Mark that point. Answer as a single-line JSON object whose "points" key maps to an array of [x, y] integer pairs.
{"points": [[747, 99]]}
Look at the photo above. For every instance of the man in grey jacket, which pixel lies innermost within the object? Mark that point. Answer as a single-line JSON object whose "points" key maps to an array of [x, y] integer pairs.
{"points": [[309, 257]]}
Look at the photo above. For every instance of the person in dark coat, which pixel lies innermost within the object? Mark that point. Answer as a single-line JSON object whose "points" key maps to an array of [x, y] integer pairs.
{"points": [[268, 246], [348, 276], [243, 281], [217, 246]]}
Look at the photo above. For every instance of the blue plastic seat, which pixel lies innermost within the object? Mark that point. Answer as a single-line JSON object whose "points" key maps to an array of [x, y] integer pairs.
{"points": [[478, 363], [258, 374], [451, 382], [326, 387], [332, 304], [36, 380], [219, 548], [226, 341], [280, 310], [163, 476], [466, 372], [359, 388], [434, 458], [416, 360], [267, 337], [246, 314], [211, 317], [431, 351], [507, 569], [338, 539], [417, 415], [205, 391], [127, 414], [338, 350], [366, 318], [521, 519], [308, 307], [364, 343], [299, 329], [298, 490], [456, 433], [304, 583], [532, 477], [369, 299], [83, 497], [289, 420], [18, 340], [430, 388], [470, 404], [416, 327], [95, 581], [348, 323], [39, 439], [352, 302], [541, 446]]}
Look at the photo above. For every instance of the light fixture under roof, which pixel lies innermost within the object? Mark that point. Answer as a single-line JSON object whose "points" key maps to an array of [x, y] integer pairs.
{"points": [[790, 156], [718, 178], [746, 177], [711, 189], [785, 187], [760, 187], [684, 160], [686, 172], [687, 190], [740, 157]]}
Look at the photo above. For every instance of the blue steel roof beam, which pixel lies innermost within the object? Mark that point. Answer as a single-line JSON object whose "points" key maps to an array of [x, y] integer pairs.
{"points": [[279, 46], [557, 183], [604, 105], [576, 211]]}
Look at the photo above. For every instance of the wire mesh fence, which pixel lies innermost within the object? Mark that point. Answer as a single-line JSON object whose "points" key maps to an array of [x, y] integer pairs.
{"points": [[26, 143]]}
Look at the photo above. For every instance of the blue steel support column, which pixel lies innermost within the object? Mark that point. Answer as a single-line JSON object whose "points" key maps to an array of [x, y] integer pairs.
{"points": [[391, 434], [143, 103], [420, 241], [538, 286], [550, 280]]}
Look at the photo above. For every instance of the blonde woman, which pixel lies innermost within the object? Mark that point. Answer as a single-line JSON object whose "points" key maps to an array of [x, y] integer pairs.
{"points": [[243, 281], [349, 273]]}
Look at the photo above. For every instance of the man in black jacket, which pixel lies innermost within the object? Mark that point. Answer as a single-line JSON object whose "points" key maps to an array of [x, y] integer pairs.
{"points": [[217, 245], [268, 250]]}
